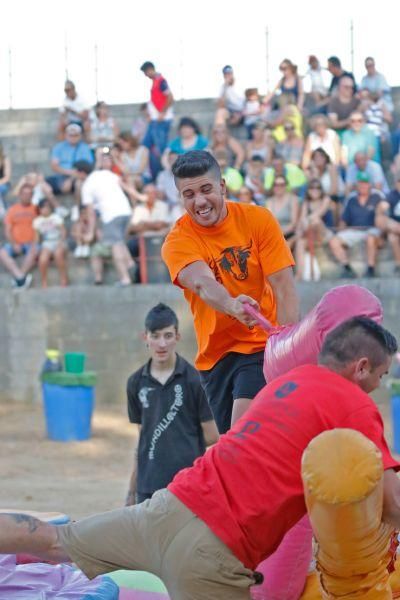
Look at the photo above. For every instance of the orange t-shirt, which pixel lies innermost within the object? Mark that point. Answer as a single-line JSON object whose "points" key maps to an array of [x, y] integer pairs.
{"points": [[20, 219], [242, 251]]}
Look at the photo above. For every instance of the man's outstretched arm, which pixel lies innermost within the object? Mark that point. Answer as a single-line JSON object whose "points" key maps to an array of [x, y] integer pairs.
{"points": [[199, 278], [23, 533]]}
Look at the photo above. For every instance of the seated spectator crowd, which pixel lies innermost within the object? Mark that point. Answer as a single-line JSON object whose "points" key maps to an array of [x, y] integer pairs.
{"points": [[319, 151]]}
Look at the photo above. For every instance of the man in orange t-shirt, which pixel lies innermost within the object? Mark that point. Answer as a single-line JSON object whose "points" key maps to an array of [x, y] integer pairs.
{"points": [[20, 236], [224, 254]]}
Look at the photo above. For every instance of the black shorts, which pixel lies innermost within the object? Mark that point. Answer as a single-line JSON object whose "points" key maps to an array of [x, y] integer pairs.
{"points": [[234, 376]]}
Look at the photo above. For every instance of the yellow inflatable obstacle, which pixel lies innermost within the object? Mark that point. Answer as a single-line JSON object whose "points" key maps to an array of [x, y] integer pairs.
{"points": [[343, 485]]}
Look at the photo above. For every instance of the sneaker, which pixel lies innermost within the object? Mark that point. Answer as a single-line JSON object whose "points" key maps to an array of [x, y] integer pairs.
{"points": [[78, 252], [370, 272], [347, 272], [28, 280], [122, 284], [22, 283], [85, 251], [396, 270]]}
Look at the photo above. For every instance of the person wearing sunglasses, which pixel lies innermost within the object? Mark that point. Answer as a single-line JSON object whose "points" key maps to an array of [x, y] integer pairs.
{"points": [[73, 110], [290, 84], [358, 226], [358, 138]]}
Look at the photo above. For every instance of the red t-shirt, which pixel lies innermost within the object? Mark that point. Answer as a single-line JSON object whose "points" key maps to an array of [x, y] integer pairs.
{"points": [[247, 488]]}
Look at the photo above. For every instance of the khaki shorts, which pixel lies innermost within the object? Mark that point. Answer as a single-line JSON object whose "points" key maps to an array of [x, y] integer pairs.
{"points": [[353, 237], [163, 537]]}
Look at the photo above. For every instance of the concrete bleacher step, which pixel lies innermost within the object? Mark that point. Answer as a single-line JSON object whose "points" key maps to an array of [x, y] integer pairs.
{"points": [[79, 272], [330, 269], [29, 134]]}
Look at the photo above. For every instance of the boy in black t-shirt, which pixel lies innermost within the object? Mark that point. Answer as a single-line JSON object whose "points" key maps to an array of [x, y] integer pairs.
{"points": [[168, 406]]}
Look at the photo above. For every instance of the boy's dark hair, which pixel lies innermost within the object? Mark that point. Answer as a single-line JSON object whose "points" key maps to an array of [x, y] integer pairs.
{"points": [[357, 338], [44, 202], [194, 164], [334, 60], [159, 317], [147, 65], [83, 166]]}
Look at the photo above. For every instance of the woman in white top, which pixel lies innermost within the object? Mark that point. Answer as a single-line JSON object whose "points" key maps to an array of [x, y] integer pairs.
{"points": [[133, 161], [323, 137], [103, 128]]}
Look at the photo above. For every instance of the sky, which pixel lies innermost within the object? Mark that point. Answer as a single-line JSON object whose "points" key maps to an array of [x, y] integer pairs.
{"points": [[188, 41]]}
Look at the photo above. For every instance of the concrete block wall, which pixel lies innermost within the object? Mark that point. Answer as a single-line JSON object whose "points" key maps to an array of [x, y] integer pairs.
{"points": [[106, 324]]}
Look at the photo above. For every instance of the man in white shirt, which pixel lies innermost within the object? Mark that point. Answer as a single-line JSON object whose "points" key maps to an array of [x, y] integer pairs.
{"points": [[230, 102], [73, 110], [103, 193], [317, 79], [149, 218]]}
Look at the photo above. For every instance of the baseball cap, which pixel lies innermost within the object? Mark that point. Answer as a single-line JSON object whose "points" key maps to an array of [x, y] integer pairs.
{"points": [[73, 128], [363, 176], [227, 69]]}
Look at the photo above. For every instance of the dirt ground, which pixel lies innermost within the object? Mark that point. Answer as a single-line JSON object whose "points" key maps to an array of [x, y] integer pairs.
{"points": [[76, 478]]}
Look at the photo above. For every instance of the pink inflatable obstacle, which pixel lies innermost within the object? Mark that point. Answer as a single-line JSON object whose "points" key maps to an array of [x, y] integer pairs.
{"points": [[285, 572], [299, 344]]}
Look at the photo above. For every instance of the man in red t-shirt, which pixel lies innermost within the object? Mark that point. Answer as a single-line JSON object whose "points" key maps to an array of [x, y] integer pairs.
{"points": [[218, 519], [160, 116]]}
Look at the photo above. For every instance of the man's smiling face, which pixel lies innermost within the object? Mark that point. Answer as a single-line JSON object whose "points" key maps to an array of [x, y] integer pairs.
{"points": [[203, 198]]}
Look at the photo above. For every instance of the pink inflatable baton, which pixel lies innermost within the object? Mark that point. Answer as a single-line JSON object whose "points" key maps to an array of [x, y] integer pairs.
{"points": [[261, 320]]}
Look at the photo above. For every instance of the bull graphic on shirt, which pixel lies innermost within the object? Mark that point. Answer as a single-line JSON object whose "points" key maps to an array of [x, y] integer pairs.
{"points": [[234, 261]]}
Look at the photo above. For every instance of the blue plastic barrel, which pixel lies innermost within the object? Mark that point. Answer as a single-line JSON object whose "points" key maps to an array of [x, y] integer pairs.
{"points": [[395, 402], [68, 411]]}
